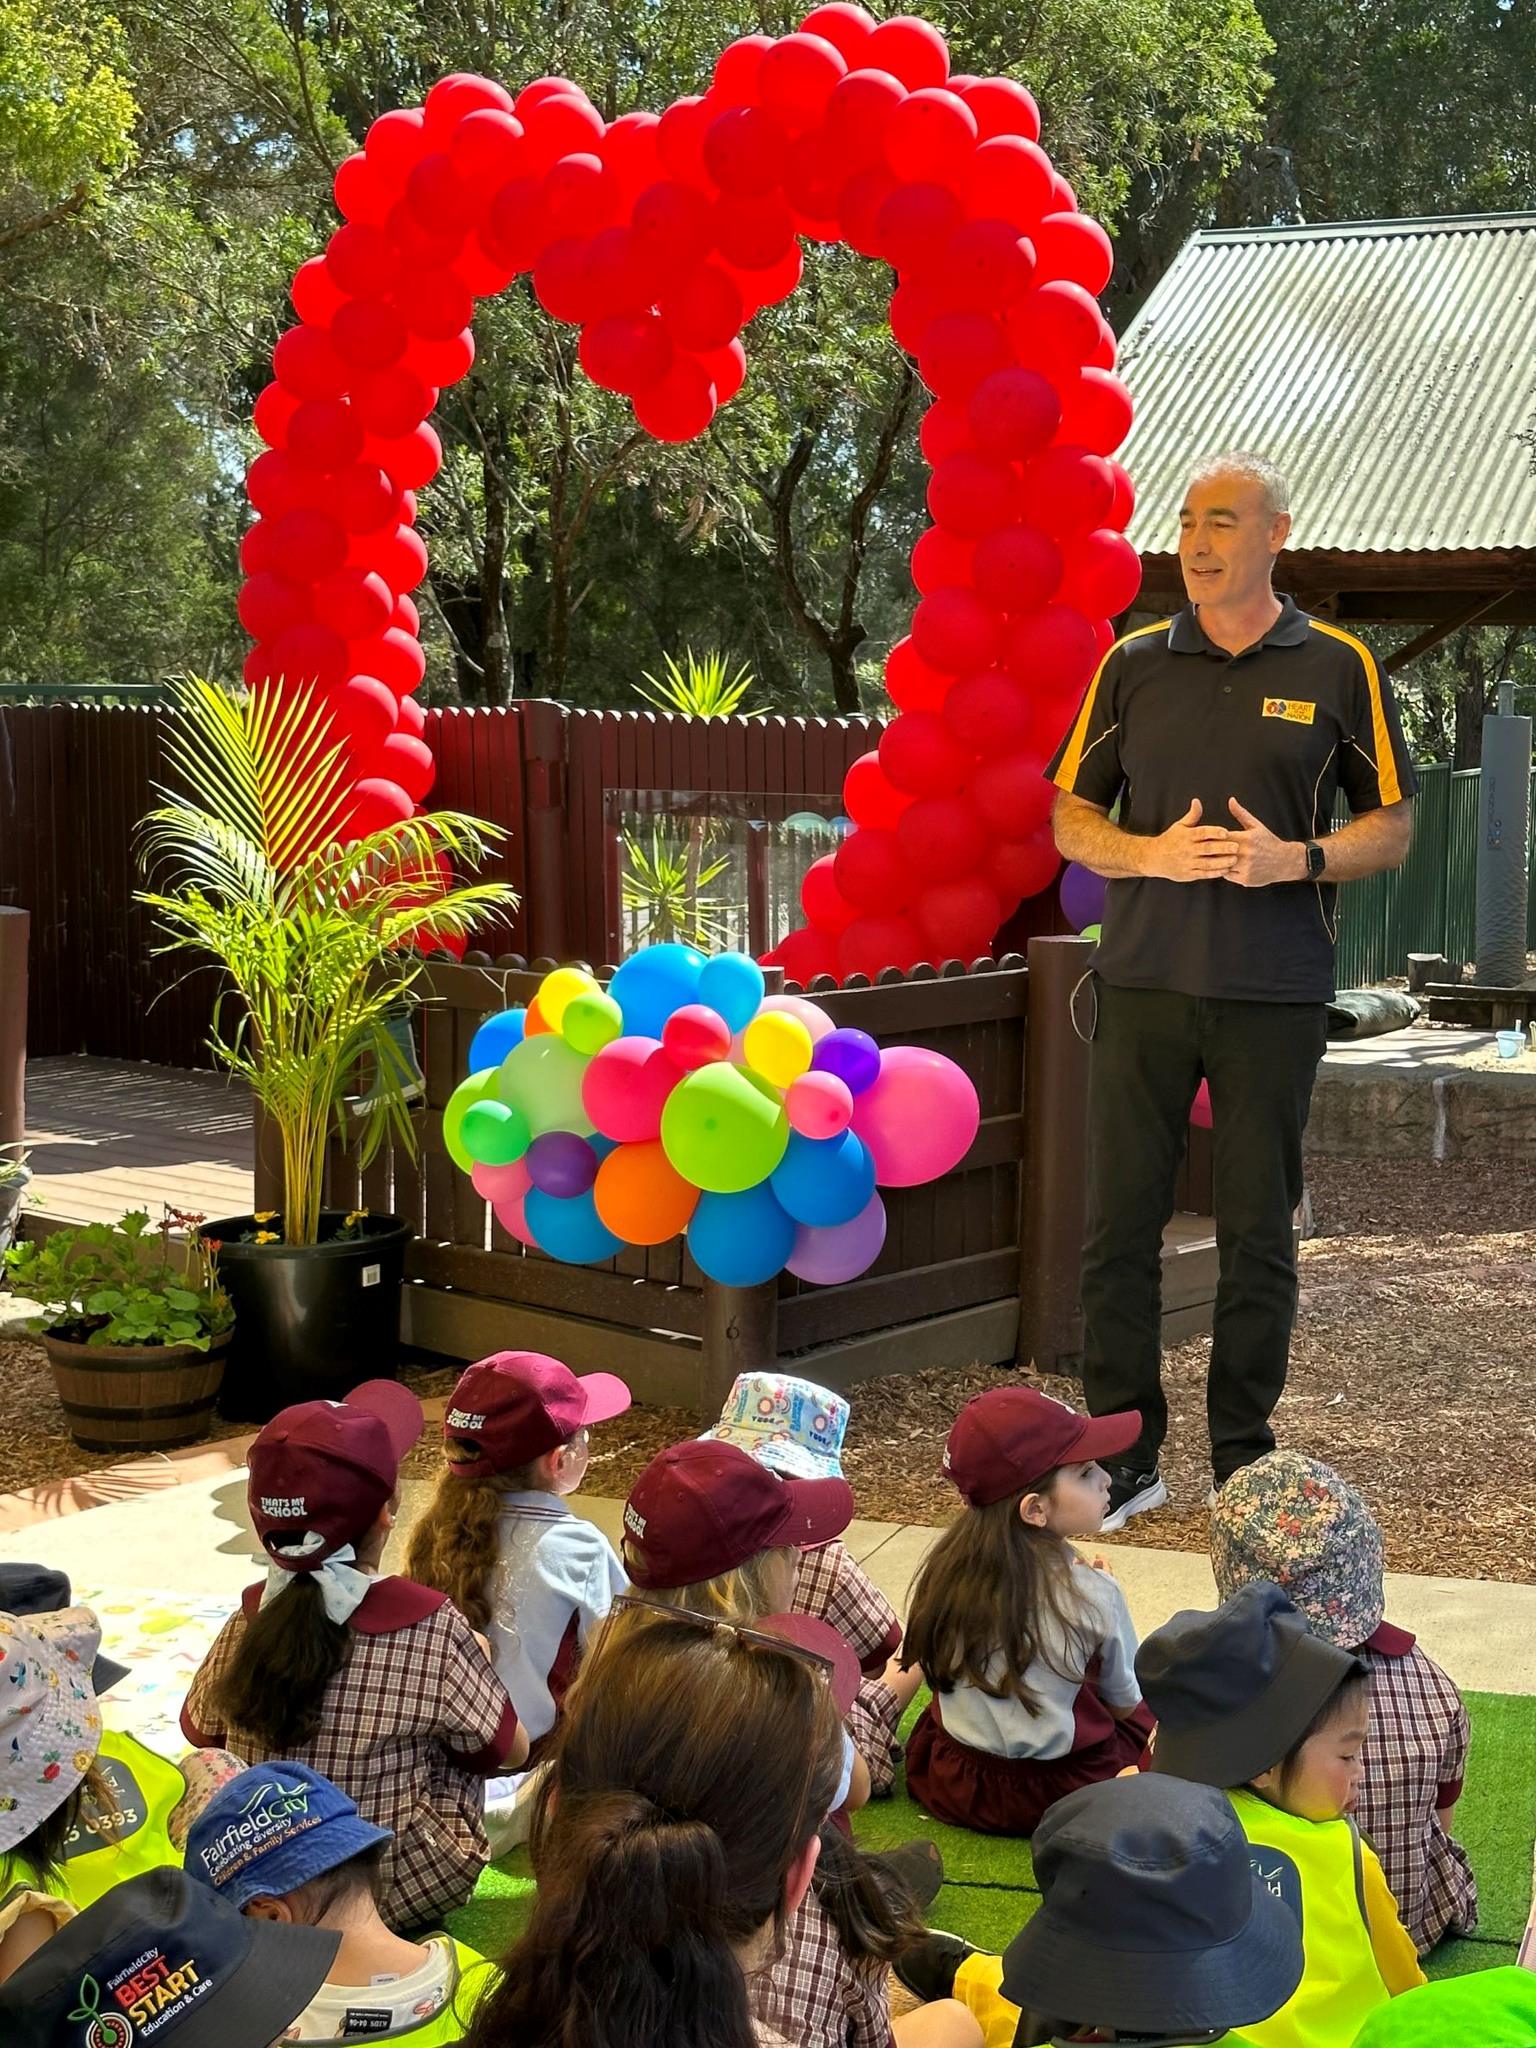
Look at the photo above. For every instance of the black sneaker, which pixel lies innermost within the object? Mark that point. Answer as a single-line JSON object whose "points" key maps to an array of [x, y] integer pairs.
{"points": [[1132, 1493], [928, 1969]]}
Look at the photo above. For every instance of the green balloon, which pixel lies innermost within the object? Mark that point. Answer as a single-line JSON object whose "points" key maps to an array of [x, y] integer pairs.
{"points": [[494, 1135], [591, 1022], [479, 1087], [542, 1077], [722, 1130], [1092, 932]]}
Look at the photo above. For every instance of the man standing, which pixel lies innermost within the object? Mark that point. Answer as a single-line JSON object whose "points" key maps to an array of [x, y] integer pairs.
{"points": [[1223, 734]]}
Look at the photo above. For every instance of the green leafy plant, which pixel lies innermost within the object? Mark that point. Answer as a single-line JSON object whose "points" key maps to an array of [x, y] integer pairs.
{"points": [[700, 687], [314, 930], [109, 1283], [14, 1170], [665, 883]]}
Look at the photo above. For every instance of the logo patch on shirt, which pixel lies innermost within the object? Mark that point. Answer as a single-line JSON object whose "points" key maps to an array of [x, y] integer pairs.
{"points": [[1289, 709]]}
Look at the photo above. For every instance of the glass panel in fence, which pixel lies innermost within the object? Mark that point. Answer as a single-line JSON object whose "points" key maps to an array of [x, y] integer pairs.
{"points": [[716, 869]]}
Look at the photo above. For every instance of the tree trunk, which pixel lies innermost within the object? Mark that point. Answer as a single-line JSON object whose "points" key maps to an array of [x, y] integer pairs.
{"points": [[496, 681]]}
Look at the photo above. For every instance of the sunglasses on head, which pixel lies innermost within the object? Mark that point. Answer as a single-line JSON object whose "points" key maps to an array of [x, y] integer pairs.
{"points": [[719, 1624]]}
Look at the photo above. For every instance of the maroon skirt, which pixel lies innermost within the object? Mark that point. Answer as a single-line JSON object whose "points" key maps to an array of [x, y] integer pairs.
{"points": [[1007, 1795]]}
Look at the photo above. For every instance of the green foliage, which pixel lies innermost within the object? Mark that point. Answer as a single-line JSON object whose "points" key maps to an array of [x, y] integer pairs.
{"points": [[109, 1283], [67, 109], [699, 686], [314, 936], [665, 886]]}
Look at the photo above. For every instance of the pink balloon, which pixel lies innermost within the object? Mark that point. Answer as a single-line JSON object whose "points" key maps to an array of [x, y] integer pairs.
{"points": [[919, 1118], [512, 1220], [828, 1254], [1200, 1110], [501, 1183], [625, 1086], [818, 1105]]}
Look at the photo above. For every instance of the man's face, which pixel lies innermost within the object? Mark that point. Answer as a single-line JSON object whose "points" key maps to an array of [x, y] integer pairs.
{"points": [[1228, 540]]}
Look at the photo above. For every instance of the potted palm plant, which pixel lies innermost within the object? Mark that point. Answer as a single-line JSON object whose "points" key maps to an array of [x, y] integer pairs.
{"points": [[317, 933]]}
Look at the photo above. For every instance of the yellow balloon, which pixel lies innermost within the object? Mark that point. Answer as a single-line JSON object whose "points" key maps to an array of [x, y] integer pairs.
{"points": [[778, 1047], [560, 988]]}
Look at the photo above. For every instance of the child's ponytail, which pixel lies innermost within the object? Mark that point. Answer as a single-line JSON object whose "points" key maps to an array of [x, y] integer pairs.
{"points": [[274, 1687], [455, 1543]]}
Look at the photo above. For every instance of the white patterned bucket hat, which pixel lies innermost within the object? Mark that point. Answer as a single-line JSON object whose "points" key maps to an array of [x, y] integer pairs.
{"points": [[792, 1426], [50, 1725]]}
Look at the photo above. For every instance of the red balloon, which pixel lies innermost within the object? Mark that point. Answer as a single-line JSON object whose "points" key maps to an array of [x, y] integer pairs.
{"points": [[360, 192], [1063, 311], [858, 208], [306, 365], [930, 135], [987, 266], [309, 652], [560, 279], [1014, 412], [1001, 108], [959, 919], [680, 139], [1071, 245], [362, 261], [1023, 867], [1052, 649], [1010, 795], [1017, 569], [673, 226], [355, 602], [846, 27], [915, 305], [958, 351], [703, 310], [518, 227], [804, 954], [679, 404], [436, 305], [625, 352], [394, 657], [910, 683], [914, 225], [822, 900], [256, 557], [424, 241], [581, 195], [391, 402], [858, 112], [438, 196], [562, 125], [1097, 412], [401, 559], [871, 944], [971, 494], [1068, 491], [270, 415], [953, 630], [941, 558], [945, 429], [412, 460], [362, 498], [1009, 179], [460, 96], [410, 714], [395, 143], [869, 870], [744, 151], [766, 287], [315, 293], [754, 233], [910, 49], [1124, 504], [365, 708], [695, 1036], [307, 544], [325, 433], [441, 363], [1104, 573], [921, 755], [629, 150], [795, 78], [736, 71], [869, 797], [813, 177], [275, 483], [727, 368], [368, 333], [408, 762], [941, 837], [488, 150], [618, 280], [268, 604], [989, 712], [538, 90], [376, 805]]}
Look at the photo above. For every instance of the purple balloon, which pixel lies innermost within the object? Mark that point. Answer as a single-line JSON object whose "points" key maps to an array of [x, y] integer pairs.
{"points": [[830, 1253], [1082, 896], [852, 1055], [561, 1164]]}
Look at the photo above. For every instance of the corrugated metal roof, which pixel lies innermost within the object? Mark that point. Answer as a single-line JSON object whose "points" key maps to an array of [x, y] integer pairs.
{"points": [[1387, 366]]}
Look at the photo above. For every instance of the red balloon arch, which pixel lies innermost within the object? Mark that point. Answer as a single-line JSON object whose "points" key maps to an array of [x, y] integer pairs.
{"points": [[660, 238]]}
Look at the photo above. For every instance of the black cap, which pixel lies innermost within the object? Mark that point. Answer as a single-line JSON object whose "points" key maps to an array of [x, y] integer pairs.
{"points": [[38, 1589], [1235, 1690], [162, 1959], [1151, 1919]]}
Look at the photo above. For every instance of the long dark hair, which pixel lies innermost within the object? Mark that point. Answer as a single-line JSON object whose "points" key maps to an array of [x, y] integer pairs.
{"points": [[984, 1602], [273, 1687], [43, 1850], [690, 1771]]}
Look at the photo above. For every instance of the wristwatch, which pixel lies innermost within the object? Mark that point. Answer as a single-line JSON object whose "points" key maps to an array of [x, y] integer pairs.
{"points": [[1317, 860]]}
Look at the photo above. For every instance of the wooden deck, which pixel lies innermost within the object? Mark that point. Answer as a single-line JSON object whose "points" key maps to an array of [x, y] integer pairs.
{"points": [[107, 1136]]}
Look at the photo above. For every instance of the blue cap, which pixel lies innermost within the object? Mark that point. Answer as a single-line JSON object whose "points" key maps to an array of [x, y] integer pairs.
{"points": [[272, 1829]]}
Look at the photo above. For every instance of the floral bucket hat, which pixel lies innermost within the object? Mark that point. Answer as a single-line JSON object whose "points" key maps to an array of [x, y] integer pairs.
{"points": [[50, 1725], [1296, 1522], [792, 1426]]}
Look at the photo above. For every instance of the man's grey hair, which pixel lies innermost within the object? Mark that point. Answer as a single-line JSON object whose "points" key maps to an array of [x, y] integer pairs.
{"points": [[1258, 469]]}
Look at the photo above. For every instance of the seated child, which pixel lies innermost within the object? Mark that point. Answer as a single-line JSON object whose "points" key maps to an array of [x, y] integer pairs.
{"points": [[497, 1537], [283, 1844], [50, 1733], [163, 1960], [128, 1831], [1028, 1648], [1295, 1522], [1151, 1924], [796, 1429], [1248, 1699], [376, 1682]]}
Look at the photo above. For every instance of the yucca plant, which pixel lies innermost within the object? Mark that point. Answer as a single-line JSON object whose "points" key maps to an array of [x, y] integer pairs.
{"points": [[665, 885], [700, 686], [314, 935]]}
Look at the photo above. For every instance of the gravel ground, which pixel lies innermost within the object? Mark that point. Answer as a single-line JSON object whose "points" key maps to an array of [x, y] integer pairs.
{"points": [[1417, 1330]]}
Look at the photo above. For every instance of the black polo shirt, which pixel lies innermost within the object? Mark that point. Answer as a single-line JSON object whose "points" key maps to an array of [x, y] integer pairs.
{"points": [[1282, 727]]}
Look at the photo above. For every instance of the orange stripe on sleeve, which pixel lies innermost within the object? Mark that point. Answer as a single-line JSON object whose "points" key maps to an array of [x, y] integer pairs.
{"points": [[1387, 780], [1072, 760]]}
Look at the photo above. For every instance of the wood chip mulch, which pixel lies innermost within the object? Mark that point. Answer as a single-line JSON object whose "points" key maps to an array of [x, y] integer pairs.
{"points": [[1413, 1370]]}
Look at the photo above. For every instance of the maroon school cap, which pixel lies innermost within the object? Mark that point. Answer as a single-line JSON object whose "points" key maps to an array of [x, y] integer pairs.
{"points": [[704, 1507], [810, 1632], [516, 1405], [1010, 1437], [320, 1472]]}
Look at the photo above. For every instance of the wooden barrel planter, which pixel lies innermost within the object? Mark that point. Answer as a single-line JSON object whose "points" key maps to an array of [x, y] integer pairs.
{"points": [[136, 1397]]}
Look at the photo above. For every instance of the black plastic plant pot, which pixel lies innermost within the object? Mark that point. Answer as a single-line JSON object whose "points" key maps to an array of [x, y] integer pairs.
{"points": [[311, 1321]]}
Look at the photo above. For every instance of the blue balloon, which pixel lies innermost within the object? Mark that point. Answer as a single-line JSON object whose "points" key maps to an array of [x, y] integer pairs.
{"points": [[732, 985], [570, 1229], [740, 1239], [496, 1038], [654, 982], [824, 1180]]}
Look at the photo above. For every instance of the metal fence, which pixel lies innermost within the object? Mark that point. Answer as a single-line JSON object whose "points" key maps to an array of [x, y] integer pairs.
{"points": [[1429, 905]]}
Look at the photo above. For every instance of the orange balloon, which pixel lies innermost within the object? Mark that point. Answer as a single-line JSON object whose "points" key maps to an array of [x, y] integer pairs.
{"points": [[535, 1021], [641, 1196]]}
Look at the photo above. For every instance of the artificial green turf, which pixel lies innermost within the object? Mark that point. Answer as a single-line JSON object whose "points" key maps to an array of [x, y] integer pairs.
{"points": [[989, 1890]]}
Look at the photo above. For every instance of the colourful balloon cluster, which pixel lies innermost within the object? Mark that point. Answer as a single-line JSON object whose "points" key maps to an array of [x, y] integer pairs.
{"points": [[684, 1098], [1081, 895], [660, 238]]}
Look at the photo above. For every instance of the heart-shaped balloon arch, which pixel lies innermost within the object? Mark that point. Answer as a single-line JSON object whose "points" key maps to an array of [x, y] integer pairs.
{"points": [[660, 238]]}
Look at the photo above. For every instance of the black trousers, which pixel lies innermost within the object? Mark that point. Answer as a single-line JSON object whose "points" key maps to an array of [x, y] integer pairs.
{"points": [[1150, 1050]]}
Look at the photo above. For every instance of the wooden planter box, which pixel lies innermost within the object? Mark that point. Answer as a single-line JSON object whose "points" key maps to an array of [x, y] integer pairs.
{"points": [[136, 1397]]}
